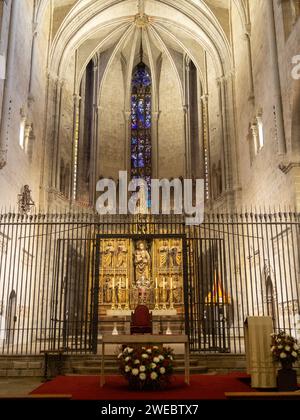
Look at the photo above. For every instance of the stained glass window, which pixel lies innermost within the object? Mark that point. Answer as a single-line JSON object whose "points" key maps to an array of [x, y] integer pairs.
{"points": [[141, 104]]}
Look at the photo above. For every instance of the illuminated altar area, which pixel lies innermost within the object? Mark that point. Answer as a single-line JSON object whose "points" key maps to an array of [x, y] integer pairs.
{"points": [[134, 272]]}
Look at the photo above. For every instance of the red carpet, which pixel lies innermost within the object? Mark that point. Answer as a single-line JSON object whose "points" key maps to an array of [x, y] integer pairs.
{"points": [[203, 387]]}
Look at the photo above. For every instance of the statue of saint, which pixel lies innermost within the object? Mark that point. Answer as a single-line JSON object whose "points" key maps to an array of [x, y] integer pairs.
{"points": [[108, 255], [121, 255], [163, 254], [143, 286], [142, 262], [107, 292], [176, 255]]}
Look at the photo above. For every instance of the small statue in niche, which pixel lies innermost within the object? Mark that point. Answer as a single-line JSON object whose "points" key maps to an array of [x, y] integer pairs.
{"points": [[142, 261], [163, 254], [121, 254], [107, 290], [175, 255], [143, 286], [25, 201], [108, 255]]}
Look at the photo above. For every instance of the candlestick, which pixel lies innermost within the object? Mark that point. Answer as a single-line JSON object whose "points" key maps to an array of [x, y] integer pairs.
{"points": [[113, 303], [164, 295], [171, 295], [127, 295], [156, 295], [120, 294]]}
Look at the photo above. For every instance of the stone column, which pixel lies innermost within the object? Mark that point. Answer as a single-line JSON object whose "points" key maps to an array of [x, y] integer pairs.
{"points": [[155, 145], [247, 38], [187, 119], [30, 98], [6, 101], [224, 129], [56, 133], [94, 145], [74, 175], [274, 73], [127, 145], [230, 162], [206, 145]]}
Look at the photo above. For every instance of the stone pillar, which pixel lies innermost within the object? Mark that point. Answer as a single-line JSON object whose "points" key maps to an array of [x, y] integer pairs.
{"points": [[127, 146], [247, 38], [6, 101], [94, 145], [56, 133], [206, 146], [30, 98], [74, 175], [155, 145], [224, 129], [187, 119], [274, 73]]}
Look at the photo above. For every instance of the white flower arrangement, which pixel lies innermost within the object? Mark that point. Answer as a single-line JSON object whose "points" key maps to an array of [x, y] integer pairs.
{"points": [[146, 367], [284, 348], [153, 376]]}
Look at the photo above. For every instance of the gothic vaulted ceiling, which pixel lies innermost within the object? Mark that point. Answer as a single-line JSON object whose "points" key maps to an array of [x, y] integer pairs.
{"points": [[173, 28]]}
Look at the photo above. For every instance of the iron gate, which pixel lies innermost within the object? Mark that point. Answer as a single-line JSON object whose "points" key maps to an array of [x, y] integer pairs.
{"points": [[236, 266]]}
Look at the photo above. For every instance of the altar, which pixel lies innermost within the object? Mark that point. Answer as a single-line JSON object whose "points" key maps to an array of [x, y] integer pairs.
{"points": [[141, 271]]}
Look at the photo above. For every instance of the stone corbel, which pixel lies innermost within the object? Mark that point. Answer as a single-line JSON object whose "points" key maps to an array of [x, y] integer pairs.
{"points": [[287, 167]]}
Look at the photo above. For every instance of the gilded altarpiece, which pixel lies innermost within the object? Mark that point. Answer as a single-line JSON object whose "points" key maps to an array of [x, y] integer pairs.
{"points": [[139, 271]]}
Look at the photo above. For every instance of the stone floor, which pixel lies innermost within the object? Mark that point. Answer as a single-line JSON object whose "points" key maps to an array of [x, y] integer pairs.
{"points": [[18, 386]]}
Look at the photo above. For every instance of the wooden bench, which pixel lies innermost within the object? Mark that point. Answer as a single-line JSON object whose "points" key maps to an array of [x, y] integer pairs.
{"points": [[263, 395]]}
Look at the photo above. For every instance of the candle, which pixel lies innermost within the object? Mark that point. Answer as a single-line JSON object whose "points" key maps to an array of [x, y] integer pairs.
{"points": [[156, 283], [171, 283], [113, 283], [120, 283], [126, 283], [164, 283]]}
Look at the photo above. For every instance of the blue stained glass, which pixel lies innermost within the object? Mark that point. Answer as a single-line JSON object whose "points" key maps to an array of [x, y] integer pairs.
{"points": [[141, 121], [141, 77]]}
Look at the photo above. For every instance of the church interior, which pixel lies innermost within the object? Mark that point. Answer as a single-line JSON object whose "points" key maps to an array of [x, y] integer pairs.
{"points": [[155, 89]]}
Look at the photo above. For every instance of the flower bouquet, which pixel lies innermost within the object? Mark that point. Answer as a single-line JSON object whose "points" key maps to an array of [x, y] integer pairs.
{"points": [[146, 367], [285, 349]]}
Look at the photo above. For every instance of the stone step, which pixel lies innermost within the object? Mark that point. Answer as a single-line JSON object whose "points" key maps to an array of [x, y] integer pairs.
{"points": [[112, 363], [83, 370]]}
